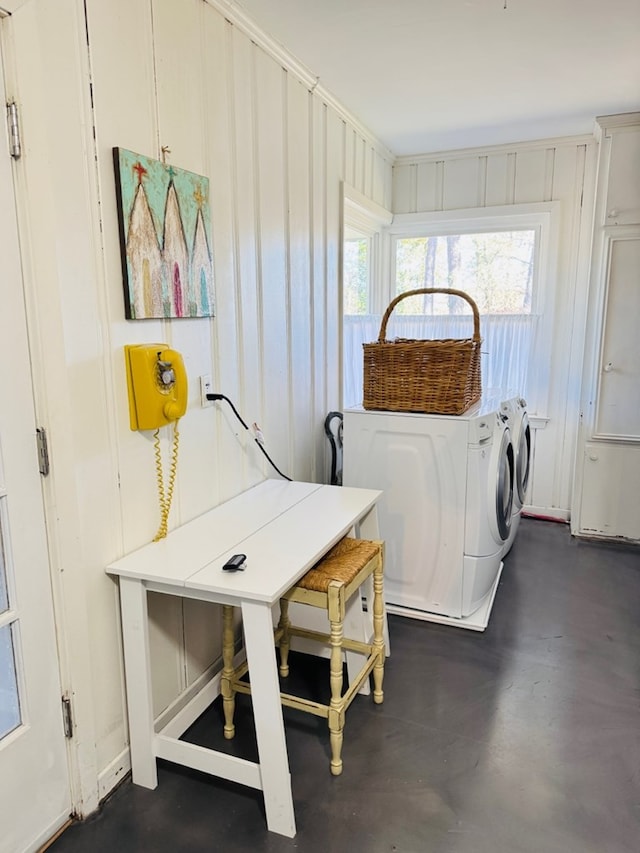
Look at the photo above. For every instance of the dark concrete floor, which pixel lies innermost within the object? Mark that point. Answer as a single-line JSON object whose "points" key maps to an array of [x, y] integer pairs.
{"points": [[523, 739]]}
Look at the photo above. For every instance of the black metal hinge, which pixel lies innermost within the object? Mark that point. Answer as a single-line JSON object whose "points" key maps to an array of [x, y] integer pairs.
{"points": [[67, 717], [15, 143], [43, 451]]}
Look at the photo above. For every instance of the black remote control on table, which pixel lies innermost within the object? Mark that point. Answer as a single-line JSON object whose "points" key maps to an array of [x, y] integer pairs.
{"points": [[235, 563]]}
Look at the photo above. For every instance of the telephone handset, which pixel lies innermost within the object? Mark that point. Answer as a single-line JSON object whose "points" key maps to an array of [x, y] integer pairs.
{"points": [[157, 384]]}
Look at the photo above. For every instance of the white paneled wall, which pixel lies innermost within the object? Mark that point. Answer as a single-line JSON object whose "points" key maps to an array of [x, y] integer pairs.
{"points": [[188, 75], [560, 170]]}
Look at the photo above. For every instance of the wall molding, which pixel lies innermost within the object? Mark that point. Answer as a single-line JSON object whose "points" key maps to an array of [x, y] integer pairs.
{"points": [[505, 148], [621, 120]]}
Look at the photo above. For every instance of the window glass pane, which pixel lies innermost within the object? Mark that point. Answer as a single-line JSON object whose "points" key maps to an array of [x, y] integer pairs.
{"points": [[496, 269], [9, 702], [356, 259]]}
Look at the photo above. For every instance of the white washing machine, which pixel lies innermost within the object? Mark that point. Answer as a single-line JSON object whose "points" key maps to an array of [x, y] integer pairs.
{"points": [[446, 509], [515, 409]]}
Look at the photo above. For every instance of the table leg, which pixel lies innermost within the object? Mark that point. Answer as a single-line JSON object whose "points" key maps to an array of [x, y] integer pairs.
{"points": [[267, 711], [135, 635]]}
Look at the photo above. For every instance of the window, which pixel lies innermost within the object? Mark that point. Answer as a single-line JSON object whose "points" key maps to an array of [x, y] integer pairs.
{"points": [[502, 258], [356, 272]]}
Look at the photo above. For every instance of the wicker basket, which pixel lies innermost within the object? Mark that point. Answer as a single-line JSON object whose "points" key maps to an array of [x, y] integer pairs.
{"points": [[438, 377]]}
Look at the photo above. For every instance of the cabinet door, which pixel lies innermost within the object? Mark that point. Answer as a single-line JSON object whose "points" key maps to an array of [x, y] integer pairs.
{"points": [[623, 190], [610, 496], [618, 401]]}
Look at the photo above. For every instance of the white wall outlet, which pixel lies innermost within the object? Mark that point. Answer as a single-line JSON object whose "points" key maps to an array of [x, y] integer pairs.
{"points": [[205, 388]]}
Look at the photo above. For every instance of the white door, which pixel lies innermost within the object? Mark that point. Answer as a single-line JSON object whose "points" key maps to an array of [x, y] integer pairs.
{"points": [[35, 794]]}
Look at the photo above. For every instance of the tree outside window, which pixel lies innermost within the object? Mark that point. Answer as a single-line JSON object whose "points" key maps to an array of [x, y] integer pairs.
{"points": [[495, 268]]}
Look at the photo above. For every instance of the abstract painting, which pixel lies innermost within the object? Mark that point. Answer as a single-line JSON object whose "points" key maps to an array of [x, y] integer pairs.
{"points": [[165, 236]]}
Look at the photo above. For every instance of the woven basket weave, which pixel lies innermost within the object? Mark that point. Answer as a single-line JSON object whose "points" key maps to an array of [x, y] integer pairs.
{"points": [[341, 563], [437, 377]]}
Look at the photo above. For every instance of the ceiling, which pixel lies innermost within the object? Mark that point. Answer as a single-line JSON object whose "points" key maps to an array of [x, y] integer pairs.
{"points": [[434, 75]]}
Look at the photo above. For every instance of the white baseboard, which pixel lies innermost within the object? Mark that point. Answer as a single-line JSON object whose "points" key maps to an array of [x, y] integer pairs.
{"points": [[113, 773]]}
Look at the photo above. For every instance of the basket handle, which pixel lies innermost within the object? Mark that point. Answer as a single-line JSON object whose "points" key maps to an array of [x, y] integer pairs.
{"points": [[460, 293]]}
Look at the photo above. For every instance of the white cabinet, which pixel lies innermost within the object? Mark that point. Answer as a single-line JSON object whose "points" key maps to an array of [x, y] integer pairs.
{"points": [[617, 404], [620, 158], [610, 496], [606, 493]]}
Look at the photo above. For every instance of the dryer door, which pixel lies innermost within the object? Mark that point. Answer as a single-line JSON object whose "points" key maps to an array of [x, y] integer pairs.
{"points": [[504, 485]]}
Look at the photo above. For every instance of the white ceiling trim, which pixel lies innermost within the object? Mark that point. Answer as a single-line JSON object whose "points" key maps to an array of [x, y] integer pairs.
{"points": [[483, 150]]}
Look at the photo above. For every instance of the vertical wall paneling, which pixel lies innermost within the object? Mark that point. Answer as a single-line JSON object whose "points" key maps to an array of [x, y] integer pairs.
{"points": [[299, 279], [378, 187], [369, 159], [498, 190], [428, 196], [482, 181], [404, 184], [244, 339], [511, 177], [270, 149], [568, 178], [167, 660], [530, 180], [180, 96], [319, 179], [351, 159], [461, 178], [359, 164], [550, 159], [219, 354], [337, 170]]}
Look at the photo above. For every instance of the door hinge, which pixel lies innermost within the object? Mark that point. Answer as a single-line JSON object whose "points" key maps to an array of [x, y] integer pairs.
{"points": [[15, 147], [67, 717], [43, 451]]}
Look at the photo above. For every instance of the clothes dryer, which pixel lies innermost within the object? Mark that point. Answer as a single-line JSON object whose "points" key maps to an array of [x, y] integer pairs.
{"points": [[515, 410], [446, 509]]}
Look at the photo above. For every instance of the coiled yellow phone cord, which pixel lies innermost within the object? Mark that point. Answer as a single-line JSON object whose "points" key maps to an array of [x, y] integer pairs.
{"points": [[165, 499]]}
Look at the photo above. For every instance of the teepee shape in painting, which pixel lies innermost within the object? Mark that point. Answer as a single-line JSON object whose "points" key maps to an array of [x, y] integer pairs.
{"points": [[201, 268], [144, 259], [176, 256]]}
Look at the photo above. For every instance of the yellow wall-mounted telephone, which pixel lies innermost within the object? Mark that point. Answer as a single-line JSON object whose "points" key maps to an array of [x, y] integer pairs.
{"points": [[157, 384]]}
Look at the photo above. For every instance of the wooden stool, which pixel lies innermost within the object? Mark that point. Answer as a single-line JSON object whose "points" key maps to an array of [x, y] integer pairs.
{"points": [[329, 585]]}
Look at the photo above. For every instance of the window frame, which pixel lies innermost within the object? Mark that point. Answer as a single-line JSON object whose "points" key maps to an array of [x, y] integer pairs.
{"points": [[543, 218], [362, 217]]}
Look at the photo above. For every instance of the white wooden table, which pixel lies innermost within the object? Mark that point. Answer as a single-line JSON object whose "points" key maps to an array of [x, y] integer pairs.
{"points": [[283, 528]]}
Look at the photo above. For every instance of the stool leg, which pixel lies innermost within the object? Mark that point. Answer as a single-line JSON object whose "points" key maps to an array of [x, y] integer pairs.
{"points": [[226, 680], [378, 628], [285, 640], [336, 706]]}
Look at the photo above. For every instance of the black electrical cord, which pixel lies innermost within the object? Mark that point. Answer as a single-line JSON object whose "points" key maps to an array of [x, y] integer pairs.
{"points": [[257, 440]]}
